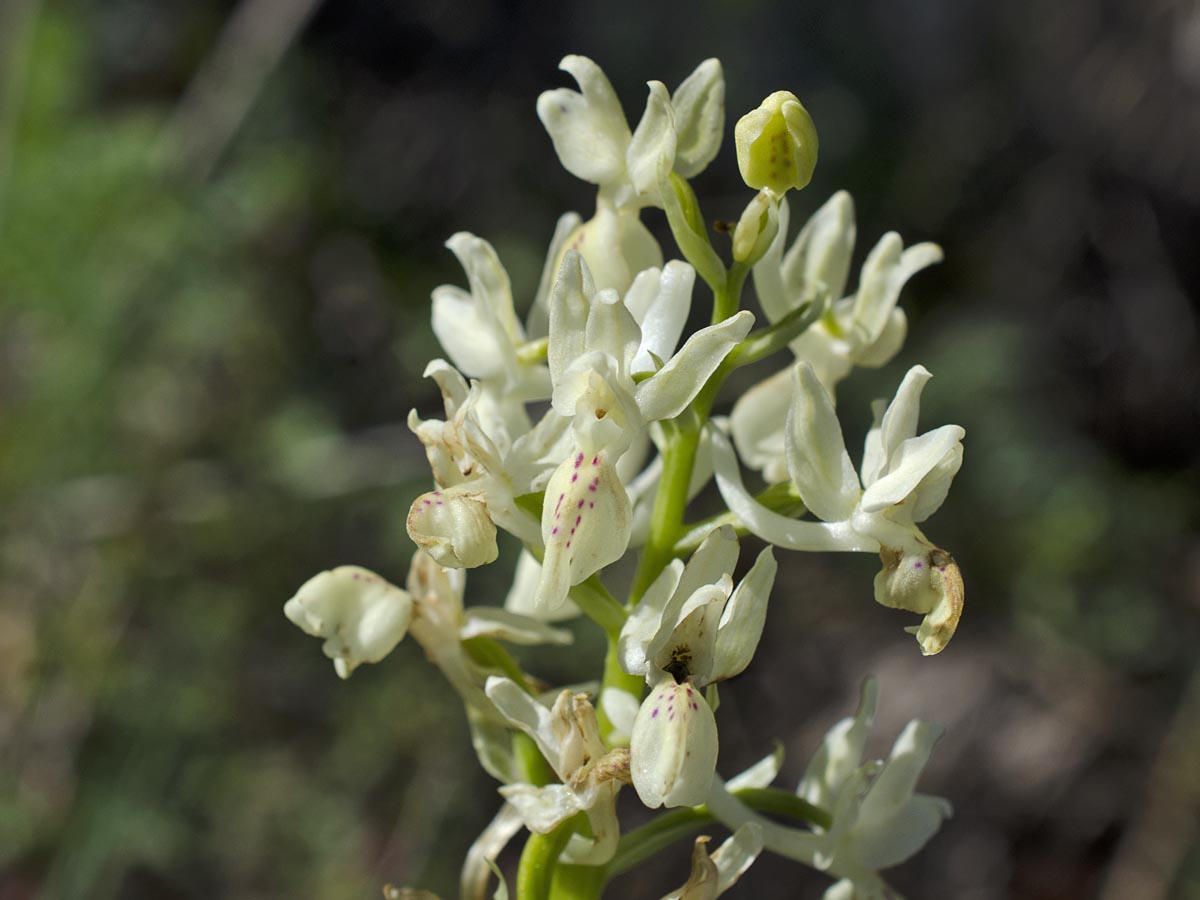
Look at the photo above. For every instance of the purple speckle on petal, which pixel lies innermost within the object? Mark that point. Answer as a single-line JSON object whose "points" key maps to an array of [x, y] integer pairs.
{"points": [[918, 564], [654, 715], [574, 478]]}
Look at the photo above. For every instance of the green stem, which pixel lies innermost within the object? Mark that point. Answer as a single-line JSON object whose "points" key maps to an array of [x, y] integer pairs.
{"points": [[577, 882], [666, 520], [538, 861], [679, 454], [726, 300], [533, 351], [642, 843]]}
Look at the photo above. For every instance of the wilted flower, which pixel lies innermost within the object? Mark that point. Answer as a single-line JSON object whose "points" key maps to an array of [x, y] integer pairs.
{"points": [[360, 615]]}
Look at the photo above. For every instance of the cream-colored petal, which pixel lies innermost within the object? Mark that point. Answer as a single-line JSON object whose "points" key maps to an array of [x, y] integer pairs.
{"points": [[570, 303], [588, 129], [542, 809], [612, 329], [586, 522], [490, 621], [818, 262], [761, 774], [524, 586], [771, 526], [361, 616], [673, 752], [651, 151], [757, 423], [665, 394], [909, 464], [660, 302], [484, 851], [841, 751], [645, 621], [699, 105], [453, 526], [816, 453], [537, 324], [743, 619]]}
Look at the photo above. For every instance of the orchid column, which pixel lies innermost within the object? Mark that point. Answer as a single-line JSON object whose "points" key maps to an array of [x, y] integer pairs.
{"points": [[574, 439]]}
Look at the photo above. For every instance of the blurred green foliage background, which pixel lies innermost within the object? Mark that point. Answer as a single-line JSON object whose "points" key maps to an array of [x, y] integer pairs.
{"points": [[219, 227]]}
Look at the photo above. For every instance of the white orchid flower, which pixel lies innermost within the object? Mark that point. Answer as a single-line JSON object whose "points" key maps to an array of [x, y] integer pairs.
{"points": [[904, 480], [569, 738], [866, 328], [479, 329], [597, 347], [482, 460], [680, 132], [690, 630], [361, 616], [713, 875], [878, 820]]}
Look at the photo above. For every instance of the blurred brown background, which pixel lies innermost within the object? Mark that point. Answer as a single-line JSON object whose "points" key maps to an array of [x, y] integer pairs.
{"points": [[219, 227]]}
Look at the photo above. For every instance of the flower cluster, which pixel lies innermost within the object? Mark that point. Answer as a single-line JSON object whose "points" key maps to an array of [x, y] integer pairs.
{"points": [[583, 429]]}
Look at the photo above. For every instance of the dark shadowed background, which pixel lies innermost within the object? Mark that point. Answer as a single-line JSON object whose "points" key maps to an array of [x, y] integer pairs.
{"points": [[219, 227]]}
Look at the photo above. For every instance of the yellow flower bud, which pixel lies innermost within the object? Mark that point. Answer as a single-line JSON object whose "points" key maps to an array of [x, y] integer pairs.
{"points": [[776, 144]]}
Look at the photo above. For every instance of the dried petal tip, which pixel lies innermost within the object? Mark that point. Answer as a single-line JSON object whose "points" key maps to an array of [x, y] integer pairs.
{"points": [[926, 582]]}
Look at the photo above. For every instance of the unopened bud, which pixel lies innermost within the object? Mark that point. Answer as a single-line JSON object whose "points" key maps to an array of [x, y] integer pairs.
{"points": [[776, 144]]}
